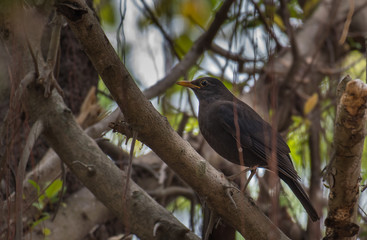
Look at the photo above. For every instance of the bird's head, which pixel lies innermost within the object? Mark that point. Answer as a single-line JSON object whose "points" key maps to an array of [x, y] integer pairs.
{"points": [[208, 88]]}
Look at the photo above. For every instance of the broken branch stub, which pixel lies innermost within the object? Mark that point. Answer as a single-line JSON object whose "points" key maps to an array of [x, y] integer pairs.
{"points": [[345, 167]]}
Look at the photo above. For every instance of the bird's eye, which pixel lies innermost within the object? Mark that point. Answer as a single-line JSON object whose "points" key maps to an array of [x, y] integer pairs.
{"points": [[204, 83]]}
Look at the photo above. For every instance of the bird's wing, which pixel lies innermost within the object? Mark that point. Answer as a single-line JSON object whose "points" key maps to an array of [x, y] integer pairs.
{"points": [[255, 134]]}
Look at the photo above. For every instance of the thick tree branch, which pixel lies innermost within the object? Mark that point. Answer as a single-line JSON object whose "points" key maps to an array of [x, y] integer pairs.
{"points": [[155, 131], [345, 167], [98, 173]]}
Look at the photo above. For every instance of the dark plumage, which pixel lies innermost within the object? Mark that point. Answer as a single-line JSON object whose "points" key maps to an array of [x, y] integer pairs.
{"points": [[216, 122]]}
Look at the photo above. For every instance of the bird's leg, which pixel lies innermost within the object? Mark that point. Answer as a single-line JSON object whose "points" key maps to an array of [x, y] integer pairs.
{"points": [[234, 176], [253, 171], [231, 178]]}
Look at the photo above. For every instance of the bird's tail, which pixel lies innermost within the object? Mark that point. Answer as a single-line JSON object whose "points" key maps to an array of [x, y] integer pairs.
{"points": [[300, 193]]}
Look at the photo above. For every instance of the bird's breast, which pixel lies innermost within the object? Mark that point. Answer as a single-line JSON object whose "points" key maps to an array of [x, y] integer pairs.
{"points": [[216, 136]]}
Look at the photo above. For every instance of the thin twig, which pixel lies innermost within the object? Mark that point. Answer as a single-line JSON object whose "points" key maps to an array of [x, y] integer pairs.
{"points": [[52, 58], [61, 193], [135, 135], [227, 54], [232, 38], [196, 51], [290, 31], [160, 27], [34, 58], [267, 27], [347, 23], [296, 61], [334, 71], [34, 133], [365, 46], [54, 41], [212, 220], [121, 42]]}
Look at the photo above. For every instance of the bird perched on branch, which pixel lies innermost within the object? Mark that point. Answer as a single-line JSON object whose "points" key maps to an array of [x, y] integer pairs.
{"points": [[235, 131]]}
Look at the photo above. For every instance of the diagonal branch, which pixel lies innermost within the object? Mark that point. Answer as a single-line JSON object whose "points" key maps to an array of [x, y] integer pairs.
{"points": [[154, 130], [161, 29], [98, 173], [190, 59], [266, 25]]}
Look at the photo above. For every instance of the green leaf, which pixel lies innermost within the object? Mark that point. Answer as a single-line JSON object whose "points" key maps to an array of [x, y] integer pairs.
{"points": [[196, 10], [181, 203], [44, 217], [103, 100], [309, 6], [53, 189], [46, 231], [253, 23], [35, 185], [107, 14], [279, 22], [39, 205], [295, 10], [184, 43]]}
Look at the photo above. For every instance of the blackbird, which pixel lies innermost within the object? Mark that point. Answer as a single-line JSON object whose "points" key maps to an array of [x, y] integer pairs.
{"points": [[218, 111]]}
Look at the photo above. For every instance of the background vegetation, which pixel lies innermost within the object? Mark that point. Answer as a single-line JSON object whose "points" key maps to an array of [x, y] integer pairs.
{"points": [[284, 58]]}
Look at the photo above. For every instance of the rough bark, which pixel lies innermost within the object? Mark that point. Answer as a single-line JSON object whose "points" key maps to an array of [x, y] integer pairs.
{"points": [[81, 213], [80, 152], [344, 169], [98, 173], [166, 143]]}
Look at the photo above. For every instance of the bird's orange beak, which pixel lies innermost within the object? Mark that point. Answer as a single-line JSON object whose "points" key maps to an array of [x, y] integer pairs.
{"points": [[187, 84]]}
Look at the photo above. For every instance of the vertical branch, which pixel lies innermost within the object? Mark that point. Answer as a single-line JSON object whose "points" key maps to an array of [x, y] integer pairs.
{"points": [[35, 132], [54, 41], [365, 49], [273, 161], [313, 229], [343, 172]]}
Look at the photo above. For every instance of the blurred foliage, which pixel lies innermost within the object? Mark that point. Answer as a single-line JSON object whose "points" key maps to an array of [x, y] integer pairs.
{"points": [[196, 11], [180, 203], [185, 20], [298, 141], [181, 207], [50, 194], [239, 236], [104, 96], [105, 10], [46, 197], [357, 65], [183, 44], [309, 7], [310, 103]]}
